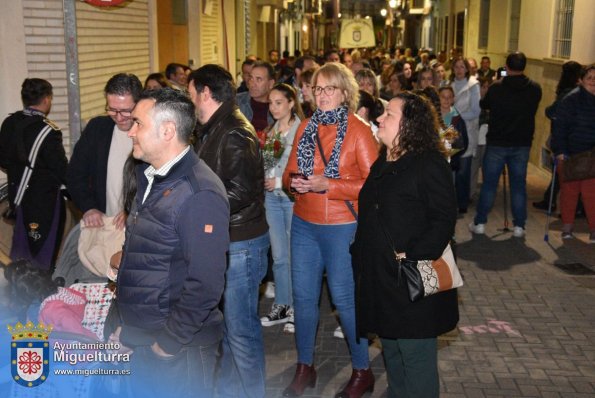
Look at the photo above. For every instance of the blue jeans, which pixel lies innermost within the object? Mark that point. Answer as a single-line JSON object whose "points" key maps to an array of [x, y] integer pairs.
{"points": [[314, 249], [463, 182], [516, 159], [279, 211], [242, 367], [191, 369]]}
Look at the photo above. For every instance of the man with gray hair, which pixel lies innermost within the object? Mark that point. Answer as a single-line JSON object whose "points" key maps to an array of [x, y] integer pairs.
{"points": [[172, 272]]}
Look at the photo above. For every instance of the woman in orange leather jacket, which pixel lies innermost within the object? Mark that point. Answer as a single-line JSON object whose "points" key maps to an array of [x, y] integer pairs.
{"points": [[326, 184]]}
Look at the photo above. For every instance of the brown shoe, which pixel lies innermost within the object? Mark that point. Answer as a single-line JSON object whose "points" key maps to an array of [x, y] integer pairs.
{"points": [[305, 376], [362, 381]]}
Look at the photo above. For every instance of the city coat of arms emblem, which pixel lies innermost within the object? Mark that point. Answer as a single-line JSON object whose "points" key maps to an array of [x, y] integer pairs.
{"points": [[30, 353]]}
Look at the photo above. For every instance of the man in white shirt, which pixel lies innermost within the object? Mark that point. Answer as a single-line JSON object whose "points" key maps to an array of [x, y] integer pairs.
{"points": [[95, 173], [172, 273]]}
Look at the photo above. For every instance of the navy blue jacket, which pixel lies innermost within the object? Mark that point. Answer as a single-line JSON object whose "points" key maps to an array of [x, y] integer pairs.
{"points": [[574, 129], [172, 274]]}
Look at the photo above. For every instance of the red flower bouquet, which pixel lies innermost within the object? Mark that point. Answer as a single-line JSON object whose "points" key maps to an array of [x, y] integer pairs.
{"points": [[272, 150]]}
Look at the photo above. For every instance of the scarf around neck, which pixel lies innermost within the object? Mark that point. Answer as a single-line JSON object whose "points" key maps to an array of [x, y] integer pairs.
{"points": [[307, 145]]}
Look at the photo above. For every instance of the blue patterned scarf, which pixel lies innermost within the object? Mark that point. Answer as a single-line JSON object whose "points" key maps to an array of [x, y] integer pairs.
{"points": [[307, 145]]}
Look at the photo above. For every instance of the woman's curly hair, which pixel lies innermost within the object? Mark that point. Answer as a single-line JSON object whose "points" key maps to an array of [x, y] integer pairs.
{"points": [[419, 130]]}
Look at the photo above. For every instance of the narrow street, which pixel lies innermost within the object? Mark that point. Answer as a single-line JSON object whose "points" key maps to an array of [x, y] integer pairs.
{"points": [[527, 329]]}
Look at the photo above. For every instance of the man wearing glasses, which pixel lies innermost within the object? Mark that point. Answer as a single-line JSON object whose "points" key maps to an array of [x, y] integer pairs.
{"points": [[95, 173]]}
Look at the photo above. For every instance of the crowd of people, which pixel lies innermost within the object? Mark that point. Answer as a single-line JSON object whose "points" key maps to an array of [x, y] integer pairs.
{"points": [[332, 164]]}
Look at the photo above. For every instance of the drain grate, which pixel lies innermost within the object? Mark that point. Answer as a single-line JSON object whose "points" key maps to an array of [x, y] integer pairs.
{"points": [[575, 269]]}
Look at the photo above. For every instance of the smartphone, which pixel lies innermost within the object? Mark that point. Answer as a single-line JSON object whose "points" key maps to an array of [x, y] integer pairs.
{"points": [[500, 73], [300, 176]]}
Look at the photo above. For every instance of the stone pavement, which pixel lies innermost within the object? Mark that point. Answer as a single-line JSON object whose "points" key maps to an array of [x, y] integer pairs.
{"points": [[526, 328]]}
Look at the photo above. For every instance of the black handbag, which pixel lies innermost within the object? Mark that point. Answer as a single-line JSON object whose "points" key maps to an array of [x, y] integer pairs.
{"points": [[426, 277]]}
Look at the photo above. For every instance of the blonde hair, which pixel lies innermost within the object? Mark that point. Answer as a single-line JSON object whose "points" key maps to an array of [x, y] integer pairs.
{"points": [[343, 79]]}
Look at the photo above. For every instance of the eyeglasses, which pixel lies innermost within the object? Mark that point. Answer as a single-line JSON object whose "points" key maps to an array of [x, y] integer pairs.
{"points": [[328, 90], [115, 112]]}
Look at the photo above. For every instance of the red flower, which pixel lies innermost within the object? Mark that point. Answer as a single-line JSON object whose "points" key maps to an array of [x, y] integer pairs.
{"points": [[262, 136]]}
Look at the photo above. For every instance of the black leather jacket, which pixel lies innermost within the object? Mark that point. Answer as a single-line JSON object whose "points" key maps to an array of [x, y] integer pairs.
{"points": [[228, 144]]}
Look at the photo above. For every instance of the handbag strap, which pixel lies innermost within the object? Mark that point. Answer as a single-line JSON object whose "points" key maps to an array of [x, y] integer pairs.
{"points": [[388, 236], [45, 131], [347, 203], [391, 243]]}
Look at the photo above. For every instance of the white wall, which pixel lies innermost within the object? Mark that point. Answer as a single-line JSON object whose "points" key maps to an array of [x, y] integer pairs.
{"points": [[536, 28], [13, 59], [32, 45], [583, 32]]}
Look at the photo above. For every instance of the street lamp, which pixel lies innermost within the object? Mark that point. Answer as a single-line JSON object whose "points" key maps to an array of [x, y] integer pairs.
{"points": [[383, 12], [392, 4]]}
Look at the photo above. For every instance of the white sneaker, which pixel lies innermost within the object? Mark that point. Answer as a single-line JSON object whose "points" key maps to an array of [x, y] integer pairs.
{"points": [[338, 333], [567, 235], [479, 229], [518, 232], [269, 292], [290, 325]]}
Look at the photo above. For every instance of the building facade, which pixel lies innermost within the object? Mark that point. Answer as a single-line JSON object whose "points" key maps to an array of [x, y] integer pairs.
{"points": [[78, 46], [549, 32]]}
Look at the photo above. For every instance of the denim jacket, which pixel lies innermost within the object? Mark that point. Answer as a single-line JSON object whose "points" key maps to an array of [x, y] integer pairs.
{"points": [[243, 101]]}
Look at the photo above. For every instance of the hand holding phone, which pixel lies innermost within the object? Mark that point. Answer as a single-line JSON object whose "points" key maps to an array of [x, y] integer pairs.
{"points": [[294, 177]]}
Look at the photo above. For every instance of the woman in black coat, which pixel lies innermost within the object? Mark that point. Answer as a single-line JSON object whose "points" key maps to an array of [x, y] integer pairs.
{"points": [[410, 196]]}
